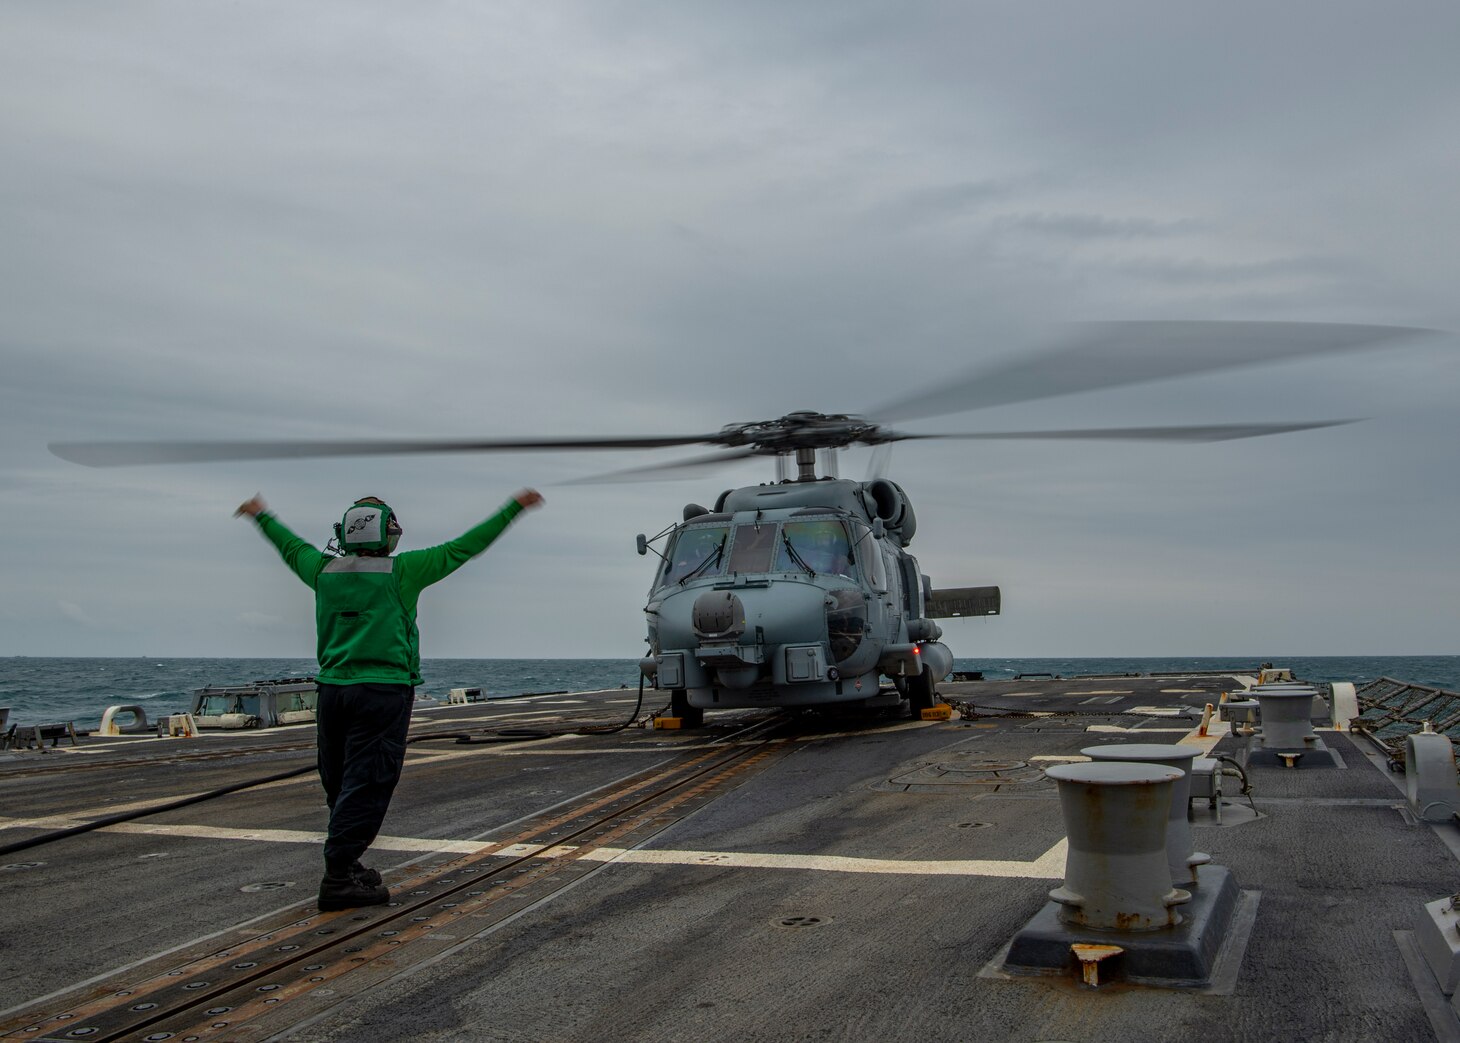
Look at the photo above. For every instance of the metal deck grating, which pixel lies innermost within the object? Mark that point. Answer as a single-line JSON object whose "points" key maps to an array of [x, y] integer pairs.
{"points": [[1391, 710]]}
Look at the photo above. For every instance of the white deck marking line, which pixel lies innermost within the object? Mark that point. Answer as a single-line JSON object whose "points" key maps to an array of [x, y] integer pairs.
{"points": [[880, 730], [300, 836], [84, 815], [1048, 866], [541, 715], [1213, 736], [71, 818], [517, 751]]}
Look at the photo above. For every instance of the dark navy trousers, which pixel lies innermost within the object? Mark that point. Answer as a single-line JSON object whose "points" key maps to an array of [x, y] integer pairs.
{"points": [[360, 731]]}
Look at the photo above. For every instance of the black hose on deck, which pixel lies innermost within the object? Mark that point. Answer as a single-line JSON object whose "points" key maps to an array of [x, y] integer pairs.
{"points": [[128, 816], [462, 738], [610, 729]]}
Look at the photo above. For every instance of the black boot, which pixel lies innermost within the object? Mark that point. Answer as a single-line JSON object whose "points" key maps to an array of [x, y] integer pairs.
{"points": [[367, 876], [346, 891]]}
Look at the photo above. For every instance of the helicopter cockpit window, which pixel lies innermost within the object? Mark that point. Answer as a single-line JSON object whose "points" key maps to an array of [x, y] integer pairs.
{"points": [[698, 551], [753, 547], [869, 555], [819, 546]]}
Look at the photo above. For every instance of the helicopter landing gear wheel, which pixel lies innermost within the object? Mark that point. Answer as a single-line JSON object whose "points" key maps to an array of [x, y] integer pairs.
{"points": [[689, 716], [921, 693]]}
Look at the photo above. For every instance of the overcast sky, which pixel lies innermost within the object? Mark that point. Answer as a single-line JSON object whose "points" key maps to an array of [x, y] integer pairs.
{"points": [[335, 220]]}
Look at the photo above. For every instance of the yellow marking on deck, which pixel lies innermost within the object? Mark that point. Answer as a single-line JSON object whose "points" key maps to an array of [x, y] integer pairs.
{"points": [[1048, 866]]}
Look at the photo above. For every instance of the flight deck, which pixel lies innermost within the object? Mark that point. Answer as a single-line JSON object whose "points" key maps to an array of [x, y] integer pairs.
{"points": [[557, 876]]}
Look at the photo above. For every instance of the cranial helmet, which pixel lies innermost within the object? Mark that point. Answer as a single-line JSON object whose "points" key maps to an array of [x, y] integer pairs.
{"points": [[368, 527]]}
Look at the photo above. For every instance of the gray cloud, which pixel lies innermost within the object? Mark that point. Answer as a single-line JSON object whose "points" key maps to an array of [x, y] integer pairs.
{"points": [[574, 218]]}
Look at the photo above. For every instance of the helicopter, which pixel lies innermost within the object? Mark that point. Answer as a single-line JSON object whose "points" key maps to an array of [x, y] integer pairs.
{"points": [[801, 593]]}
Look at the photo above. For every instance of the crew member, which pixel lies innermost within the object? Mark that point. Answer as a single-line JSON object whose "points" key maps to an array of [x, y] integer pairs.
{"points": [[369, 665]]}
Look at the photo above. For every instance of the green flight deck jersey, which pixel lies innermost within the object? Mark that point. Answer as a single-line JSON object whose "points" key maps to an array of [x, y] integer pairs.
{"points": [[365, 607]]}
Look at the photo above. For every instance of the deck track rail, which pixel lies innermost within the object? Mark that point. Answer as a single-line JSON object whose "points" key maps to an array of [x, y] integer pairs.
{"points": [[297, 967]]}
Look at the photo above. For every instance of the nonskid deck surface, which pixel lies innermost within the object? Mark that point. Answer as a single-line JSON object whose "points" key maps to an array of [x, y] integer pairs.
{"points": [[763, 878]]}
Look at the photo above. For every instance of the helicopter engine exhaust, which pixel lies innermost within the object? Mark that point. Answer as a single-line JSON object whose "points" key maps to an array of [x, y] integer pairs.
{"points": [[938, 658], [919, 657]]}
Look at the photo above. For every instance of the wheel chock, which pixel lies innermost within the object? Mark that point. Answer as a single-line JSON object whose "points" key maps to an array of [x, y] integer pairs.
{"points": [[668, 723], [941, 712]]}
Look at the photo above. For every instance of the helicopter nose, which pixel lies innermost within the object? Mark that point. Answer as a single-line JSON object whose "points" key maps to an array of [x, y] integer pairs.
{"points": [[718, 615]]}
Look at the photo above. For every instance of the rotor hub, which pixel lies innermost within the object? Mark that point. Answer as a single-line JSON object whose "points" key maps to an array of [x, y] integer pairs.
{"points": [[801, 430]]}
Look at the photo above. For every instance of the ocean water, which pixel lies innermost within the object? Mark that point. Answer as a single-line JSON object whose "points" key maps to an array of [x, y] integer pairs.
{"points": [[44, 691]]}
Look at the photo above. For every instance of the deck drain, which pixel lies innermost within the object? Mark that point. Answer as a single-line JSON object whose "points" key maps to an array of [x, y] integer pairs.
{"points": [[960, 772], [21, 865], [801, 921], [971, 825], [267, 885]]}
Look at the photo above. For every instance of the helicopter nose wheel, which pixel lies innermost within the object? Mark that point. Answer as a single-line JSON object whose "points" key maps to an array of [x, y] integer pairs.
{"points": [[689, 716], [921, 693]]}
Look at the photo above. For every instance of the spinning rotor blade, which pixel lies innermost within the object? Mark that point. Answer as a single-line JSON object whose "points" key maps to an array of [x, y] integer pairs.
{"points": [[1196, 433], [1117, 354], [691, 467], [121, 454], [881, 461]]}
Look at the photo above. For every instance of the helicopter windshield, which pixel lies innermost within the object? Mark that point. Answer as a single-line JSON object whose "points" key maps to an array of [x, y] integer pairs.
{"points": [[698, 551], [753, 547], [819, 546]]}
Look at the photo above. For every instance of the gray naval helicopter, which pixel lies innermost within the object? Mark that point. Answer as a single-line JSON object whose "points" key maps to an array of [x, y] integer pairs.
{"points": [[801, 592]]}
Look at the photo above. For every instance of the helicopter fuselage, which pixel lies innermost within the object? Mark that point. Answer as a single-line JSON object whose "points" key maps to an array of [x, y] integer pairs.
{"points": [[794, 594]]}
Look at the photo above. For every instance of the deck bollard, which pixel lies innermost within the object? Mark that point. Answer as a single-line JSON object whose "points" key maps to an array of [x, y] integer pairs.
{"points": [[1430, 784], [1180, 857], [1116, 874], [1286, 712]]}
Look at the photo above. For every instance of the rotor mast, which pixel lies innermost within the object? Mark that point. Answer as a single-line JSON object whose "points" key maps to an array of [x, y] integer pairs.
{"points": [[806, 458]]}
